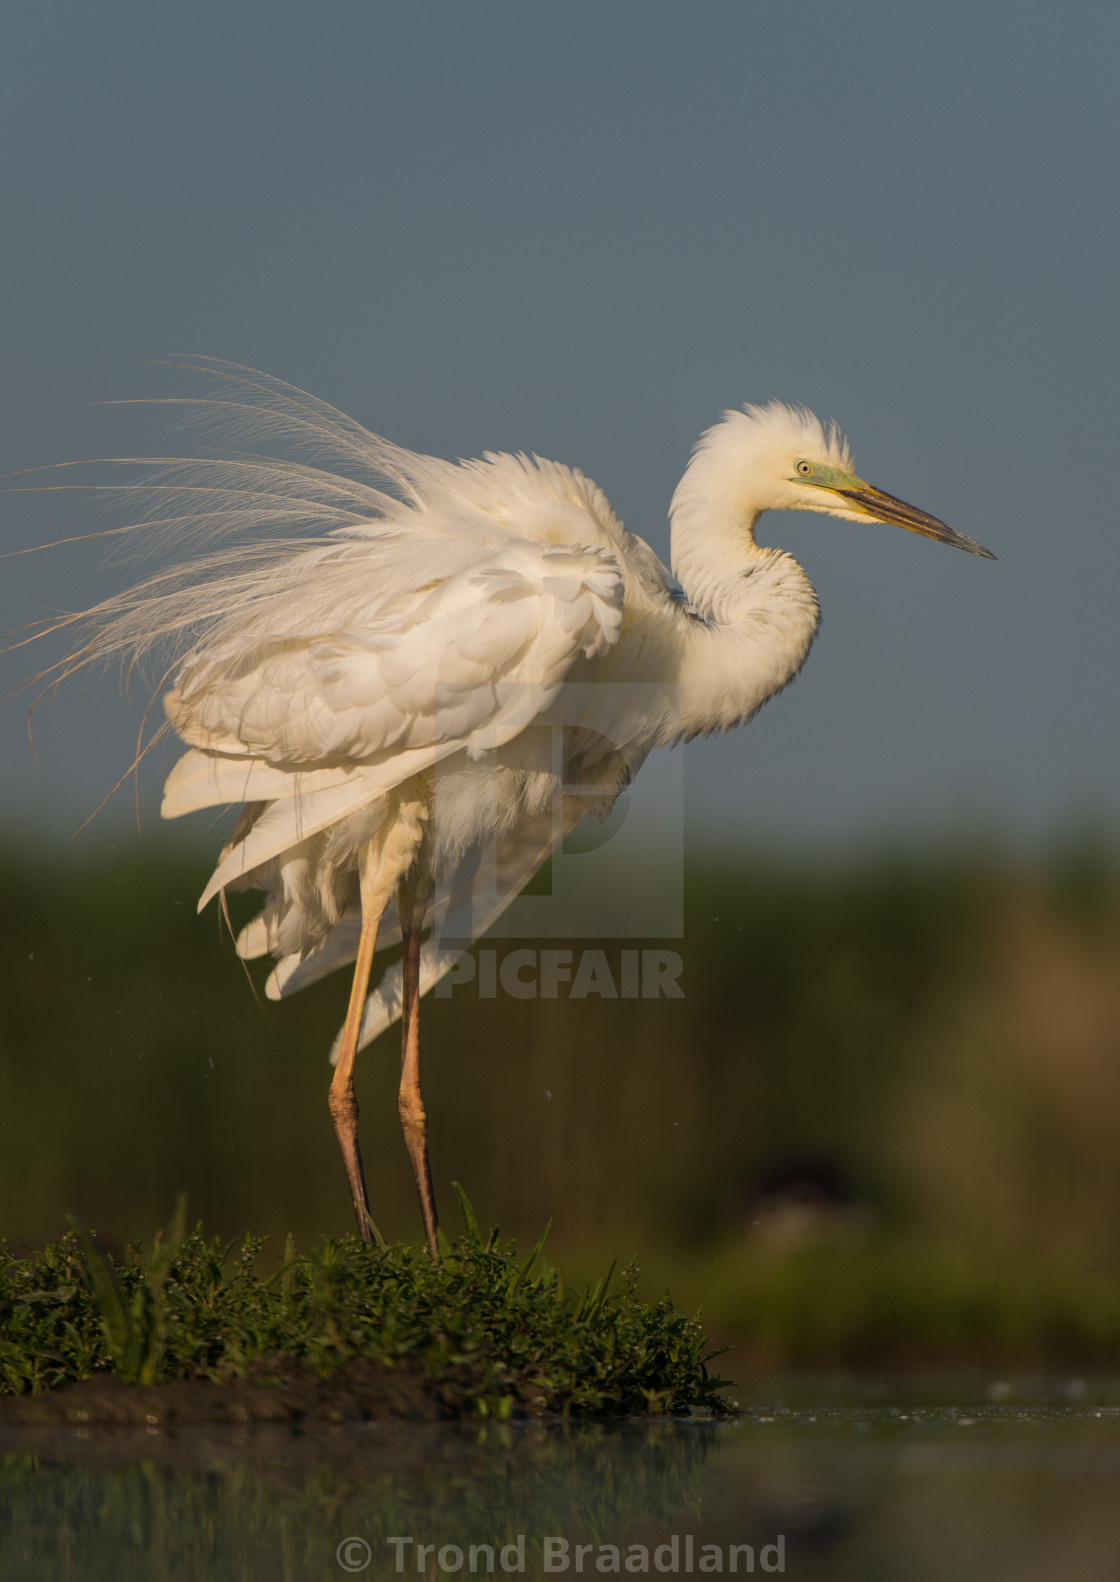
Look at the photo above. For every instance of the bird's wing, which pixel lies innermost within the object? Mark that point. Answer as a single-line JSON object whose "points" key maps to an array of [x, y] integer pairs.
{"points": [[327, 726], [208, 779], [353, 611], [470, 657]]}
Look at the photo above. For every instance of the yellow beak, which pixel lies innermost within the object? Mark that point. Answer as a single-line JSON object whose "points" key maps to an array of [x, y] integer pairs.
{"points": [[883, 507]]}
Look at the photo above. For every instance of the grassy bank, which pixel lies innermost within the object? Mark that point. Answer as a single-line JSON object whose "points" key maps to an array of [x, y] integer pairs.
{"points": [[482, 1333]]}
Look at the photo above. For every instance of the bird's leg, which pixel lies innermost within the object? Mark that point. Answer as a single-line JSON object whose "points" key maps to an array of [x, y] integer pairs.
{"points": [[412, 899], [342, 1099]]}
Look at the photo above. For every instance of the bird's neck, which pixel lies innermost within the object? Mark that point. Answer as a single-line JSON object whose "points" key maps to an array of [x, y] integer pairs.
{"points": [[759, 611], [715, 556]]}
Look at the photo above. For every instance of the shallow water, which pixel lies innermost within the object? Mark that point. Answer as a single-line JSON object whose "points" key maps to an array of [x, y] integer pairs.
{"points": [[828, 1479]]}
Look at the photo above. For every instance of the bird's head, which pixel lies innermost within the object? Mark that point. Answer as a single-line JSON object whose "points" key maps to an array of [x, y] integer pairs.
{"points": [[782, 458]]}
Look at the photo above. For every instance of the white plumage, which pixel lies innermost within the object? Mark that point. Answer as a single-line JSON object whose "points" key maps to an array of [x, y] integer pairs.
{"points": [[384, 649]]}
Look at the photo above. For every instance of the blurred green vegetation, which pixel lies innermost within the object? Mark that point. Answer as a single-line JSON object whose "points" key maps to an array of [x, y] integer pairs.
{"points": [[882, 1124]]}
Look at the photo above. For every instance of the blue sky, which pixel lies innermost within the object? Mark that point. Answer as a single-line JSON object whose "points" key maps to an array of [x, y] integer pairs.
{"points": [[583, 230]]}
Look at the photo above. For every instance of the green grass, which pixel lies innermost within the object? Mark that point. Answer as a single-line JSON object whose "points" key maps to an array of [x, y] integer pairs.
{"points": [[498, 1336]]}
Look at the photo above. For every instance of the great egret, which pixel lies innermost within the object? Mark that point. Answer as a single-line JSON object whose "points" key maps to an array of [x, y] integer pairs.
{"points": [[373, 637]]}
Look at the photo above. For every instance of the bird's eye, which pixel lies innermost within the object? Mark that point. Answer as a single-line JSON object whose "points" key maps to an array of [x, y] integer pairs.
{"points": [[804, 468]]}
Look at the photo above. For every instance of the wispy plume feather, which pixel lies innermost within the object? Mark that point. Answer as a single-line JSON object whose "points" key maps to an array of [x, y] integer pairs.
{"points": [[242, 528]]}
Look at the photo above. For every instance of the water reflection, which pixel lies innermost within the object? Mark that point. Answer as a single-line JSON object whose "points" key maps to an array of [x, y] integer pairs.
{"points": [[853, 1490]]}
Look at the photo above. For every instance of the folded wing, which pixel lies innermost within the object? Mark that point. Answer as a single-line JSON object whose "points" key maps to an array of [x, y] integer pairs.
{"points": [[321, 728]]}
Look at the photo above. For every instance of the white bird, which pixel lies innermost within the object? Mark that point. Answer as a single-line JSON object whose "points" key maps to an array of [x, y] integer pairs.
{"points": [[367, 651]]}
